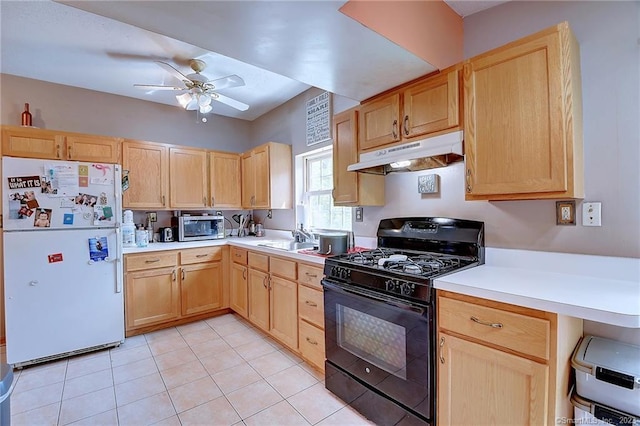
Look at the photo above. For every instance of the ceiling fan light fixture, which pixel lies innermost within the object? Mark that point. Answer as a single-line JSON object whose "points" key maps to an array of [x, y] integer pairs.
{"points": [[205, 109], [204, 100], [184, 99]]}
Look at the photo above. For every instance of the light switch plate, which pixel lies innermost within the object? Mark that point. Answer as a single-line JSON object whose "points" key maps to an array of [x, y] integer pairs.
{"points": [[592, 214]]}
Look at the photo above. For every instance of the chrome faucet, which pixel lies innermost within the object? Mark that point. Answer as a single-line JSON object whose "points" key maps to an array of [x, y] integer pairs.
{"points": [[301, 235]]}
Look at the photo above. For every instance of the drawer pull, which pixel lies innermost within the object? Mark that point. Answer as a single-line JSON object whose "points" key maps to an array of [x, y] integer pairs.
{"points": [[312, 341], [488, 324], [310, 303], [441, 350], [311, 275], [152, 260], [202, 255]]}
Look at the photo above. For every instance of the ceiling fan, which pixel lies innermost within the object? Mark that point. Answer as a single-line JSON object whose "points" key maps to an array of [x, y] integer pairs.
{"points": [[199, 90]]}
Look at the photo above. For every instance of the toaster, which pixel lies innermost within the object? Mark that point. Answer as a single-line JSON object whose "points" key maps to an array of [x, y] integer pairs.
{"points": [[166, 235]]}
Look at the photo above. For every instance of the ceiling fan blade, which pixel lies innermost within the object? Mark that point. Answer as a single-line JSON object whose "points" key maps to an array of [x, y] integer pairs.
{"points": [[231, 102], [226, 82], [156, 87], [171, 70]]}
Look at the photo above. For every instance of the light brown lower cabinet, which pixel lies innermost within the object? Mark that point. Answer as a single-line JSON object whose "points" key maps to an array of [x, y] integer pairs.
{"points": [[239, 286], [501, 363], [311, 315], [283, 298], [170, 287]]}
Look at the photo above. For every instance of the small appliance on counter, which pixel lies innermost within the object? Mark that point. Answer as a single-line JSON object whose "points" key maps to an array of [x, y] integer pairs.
{"points": [[166, 235], [197, 228]]}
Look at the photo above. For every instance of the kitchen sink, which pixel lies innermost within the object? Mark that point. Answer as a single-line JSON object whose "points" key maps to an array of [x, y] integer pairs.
{"points": [[288, 245]]}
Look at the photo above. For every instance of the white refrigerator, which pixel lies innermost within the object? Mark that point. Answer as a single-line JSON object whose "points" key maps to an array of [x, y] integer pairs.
{"points": [[63, 290]]}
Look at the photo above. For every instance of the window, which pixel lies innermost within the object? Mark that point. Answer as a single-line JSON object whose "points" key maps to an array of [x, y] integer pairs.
{"points": [[318, 211]]}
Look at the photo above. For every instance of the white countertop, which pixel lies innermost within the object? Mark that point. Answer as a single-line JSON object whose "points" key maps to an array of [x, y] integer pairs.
{"points": [[252, 243], [596, 288]]}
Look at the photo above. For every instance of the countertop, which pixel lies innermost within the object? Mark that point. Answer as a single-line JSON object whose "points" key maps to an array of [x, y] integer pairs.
{"points": [[253, 243], [595, 288]]}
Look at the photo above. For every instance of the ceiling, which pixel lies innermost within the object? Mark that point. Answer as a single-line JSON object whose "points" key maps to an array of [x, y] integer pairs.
{"points": [[279, 48]]}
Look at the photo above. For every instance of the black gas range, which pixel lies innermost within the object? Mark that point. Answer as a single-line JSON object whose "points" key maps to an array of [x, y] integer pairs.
{"points": [[380, 315]]}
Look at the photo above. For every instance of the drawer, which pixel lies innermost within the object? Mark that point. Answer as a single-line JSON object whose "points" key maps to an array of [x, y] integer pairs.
{"points": [[201, 255], [283, 268], [258, 261], [521, 333], [310, 275], [239, 255], [161, 259], [311, 344], [311, 305]]}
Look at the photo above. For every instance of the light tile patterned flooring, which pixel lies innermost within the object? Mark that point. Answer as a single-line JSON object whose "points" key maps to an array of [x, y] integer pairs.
{"points": [[220, 371]]}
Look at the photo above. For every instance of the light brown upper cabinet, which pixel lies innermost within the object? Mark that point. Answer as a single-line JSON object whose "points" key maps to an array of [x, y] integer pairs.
{"points": [[188, 178], [52, 144], [267, 177], [224, 180], [147, 166], [352, 188], [523, 118], [422, 108]]}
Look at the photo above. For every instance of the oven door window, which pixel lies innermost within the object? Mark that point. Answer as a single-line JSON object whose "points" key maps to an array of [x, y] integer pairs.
{"points": [[375, 340]]}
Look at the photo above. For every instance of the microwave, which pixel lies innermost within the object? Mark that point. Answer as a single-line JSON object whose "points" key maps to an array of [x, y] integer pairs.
{"points": [[196, 228]]}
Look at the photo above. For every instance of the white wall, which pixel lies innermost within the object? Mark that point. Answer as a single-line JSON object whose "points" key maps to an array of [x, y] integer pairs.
{"points": [[59, 107], [607, 33]]}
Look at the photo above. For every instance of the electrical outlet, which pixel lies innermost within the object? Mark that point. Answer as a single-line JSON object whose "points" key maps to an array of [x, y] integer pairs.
{"points": [[359, 214], [592, 214], [269, 214], [153, 216], [218, 212]]}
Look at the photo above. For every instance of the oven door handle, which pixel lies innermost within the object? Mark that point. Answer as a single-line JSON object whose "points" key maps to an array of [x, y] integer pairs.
{"points": [[389, 300]]}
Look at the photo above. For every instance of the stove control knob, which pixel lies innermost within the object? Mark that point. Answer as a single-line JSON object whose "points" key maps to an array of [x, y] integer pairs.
{"points": [[407, 288], [391, 285]]}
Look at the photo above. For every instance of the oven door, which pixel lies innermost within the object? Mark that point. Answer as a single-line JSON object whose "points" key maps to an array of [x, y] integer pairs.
{"points": [[384, 342]]}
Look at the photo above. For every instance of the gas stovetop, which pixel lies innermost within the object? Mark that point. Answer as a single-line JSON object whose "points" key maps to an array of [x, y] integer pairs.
{"points": [[412, 252], [418, 265]]}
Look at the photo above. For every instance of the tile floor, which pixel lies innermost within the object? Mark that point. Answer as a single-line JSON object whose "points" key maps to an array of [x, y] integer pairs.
{"points": [[219, 371]]}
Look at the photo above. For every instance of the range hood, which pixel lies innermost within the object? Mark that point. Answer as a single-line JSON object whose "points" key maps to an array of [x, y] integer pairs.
{"points": [[437, 151]]}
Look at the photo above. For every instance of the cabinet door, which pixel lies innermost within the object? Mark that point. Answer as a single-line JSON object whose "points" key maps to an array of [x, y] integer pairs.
{"points": [[431, 106], [147, 165], [152, 297], [201, 288], [284, 311], [262, 177], [239, 289], [379, 122], [248, 180], [98, 149], [188, 178], [259, 298], [224, 184], [514, 118], [480, 385], [31, 143], [352, 188], [345, 153]]}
